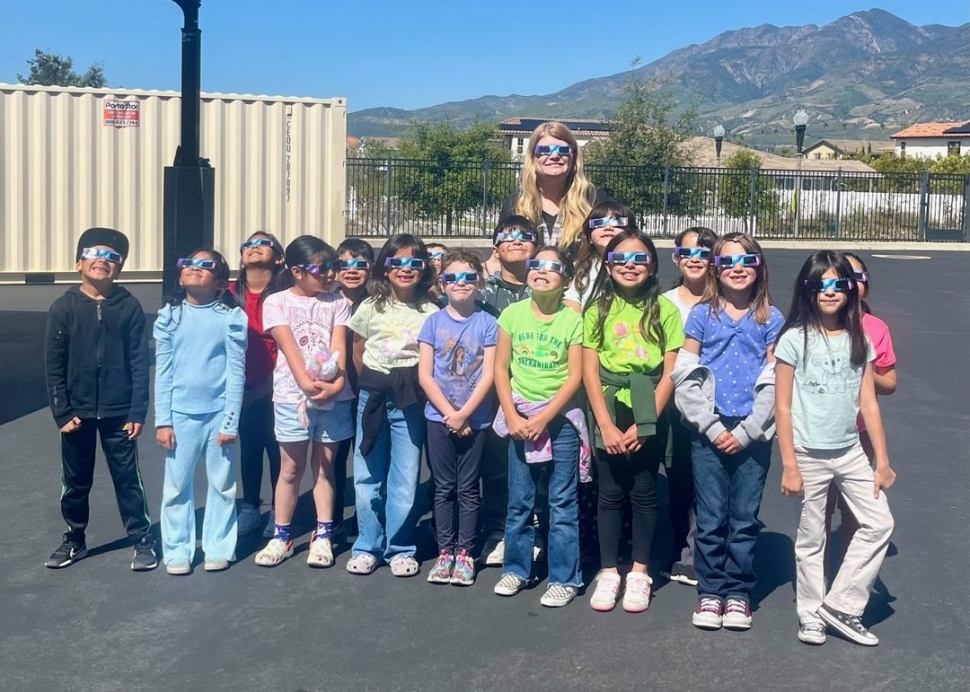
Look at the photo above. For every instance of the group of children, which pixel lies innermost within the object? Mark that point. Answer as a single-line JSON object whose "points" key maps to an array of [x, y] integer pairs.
{"points": [[560, 374]]}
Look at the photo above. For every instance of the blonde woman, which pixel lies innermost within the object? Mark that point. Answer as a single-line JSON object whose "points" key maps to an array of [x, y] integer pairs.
{"points": [[554, 192]]}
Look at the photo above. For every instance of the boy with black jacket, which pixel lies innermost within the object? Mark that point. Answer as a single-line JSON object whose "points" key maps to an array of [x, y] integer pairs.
{"points": [[97, 364]]}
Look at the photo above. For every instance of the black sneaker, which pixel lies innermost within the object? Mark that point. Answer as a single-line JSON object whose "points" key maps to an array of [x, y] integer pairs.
{"points": [[849, 626], [144, 558], [69, 552]]}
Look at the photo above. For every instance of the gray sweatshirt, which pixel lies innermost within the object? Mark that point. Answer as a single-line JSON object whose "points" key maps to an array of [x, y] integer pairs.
{"points": [[694, 398]]}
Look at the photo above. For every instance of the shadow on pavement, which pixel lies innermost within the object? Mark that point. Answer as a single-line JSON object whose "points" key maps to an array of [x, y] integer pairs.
{"points": [[22, 387]]}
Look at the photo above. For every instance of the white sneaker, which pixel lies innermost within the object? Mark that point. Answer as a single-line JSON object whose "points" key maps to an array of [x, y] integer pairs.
{"points": [[248, 519], [811, 632], [509, 585], [494, 552], [537, 547], [636, 595], [558, 595], [270, 530], [607, 588], [321, 553]]}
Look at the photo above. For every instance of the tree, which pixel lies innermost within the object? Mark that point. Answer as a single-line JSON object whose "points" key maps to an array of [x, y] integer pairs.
{"points": [[647, 137], [441, 171], [51, 69], [734, 189]]}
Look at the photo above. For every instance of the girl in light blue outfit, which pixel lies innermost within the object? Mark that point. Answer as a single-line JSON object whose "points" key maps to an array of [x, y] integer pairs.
{"points": [[200, 374]]}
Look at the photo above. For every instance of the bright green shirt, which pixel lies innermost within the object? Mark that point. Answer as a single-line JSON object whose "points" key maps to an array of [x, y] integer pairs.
{"points": [[624, 349], [540, 350]]}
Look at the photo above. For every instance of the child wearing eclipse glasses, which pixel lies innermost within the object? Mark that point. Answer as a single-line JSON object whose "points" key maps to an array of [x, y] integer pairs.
{"points": [[97, 360]]}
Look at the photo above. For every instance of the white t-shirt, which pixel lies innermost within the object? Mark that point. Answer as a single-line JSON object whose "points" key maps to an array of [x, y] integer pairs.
{"points": [[391, 336], [312, 320], [586, 297], [673, 295]]}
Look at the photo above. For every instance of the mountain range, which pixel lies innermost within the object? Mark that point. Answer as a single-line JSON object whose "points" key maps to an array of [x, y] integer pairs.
{"points": [[864, 75]]}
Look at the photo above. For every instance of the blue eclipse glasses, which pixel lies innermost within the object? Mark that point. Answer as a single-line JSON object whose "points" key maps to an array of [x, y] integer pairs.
{"points": [[826, 285], [256, 242], [703, 253], [550, 149], [544, 264], [636, 258], [193, 263], [730, 261], [405, 263], [523, 236], [99, 253], [458, 277]]}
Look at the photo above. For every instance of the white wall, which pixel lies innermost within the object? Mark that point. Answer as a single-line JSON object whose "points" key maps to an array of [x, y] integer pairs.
{"points": [[930, 148]]}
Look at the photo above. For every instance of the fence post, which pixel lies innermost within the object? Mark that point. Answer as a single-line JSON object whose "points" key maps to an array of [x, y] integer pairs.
{"points": [[666, 194], [924, 205], [753, 201], [484, 194], [966, 208], [838, 205], [388, 211]]}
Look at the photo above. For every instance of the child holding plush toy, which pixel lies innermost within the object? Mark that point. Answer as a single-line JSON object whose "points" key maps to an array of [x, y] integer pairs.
{"points": [[311, 397]]}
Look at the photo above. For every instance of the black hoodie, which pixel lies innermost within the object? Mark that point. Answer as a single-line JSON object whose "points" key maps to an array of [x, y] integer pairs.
{"points": [[97, 357]]}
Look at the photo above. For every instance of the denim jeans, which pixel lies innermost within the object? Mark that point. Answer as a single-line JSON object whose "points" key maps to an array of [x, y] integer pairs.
{"points": [[386, 481], [563, 478], [728, 489], [195, 435]]}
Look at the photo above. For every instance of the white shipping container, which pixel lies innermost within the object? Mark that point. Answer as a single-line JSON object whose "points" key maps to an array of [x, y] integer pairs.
{"points": [[72, 158]]}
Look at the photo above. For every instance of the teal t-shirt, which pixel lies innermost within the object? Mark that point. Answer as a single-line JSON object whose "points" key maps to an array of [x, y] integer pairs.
{"points": [[540, 350], [624, 349], [825, 395]]}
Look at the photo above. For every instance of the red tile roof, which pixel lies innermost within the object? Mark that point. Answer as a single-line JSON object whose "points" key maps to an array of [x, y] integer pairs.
{"points": [[922, 130]]}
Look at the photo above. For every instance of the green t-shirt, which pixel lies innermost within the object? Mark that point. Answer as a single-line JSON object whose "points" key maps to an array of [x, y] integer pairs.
{"points": [[624, 348], [540, 350]]}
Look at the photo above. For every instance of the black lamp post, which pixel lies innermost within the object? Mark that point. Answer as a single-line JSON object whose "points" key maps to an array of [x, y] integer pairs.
{"points": [[189, 218], [718, 139], [801, 121]]}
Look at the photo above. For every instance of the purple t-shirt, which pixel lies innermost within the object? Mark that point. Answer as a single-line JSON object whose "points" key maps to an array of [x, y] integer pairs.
{"points": [[459, 351], [736, 352]]}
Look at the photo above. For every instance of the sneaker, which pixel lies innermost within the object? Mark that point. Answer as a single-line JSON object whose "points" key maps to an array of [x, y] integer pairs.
{"points": [[707, 614], [607, 589], [364, 563], [538, 547], [270, 529], [443, 567], [274, 553], [636, 595], [216, 564], [737, 614], [494, 551], [404, 566], [321, 552], [558, 595], [682, 573], [464, 572], [144, 558], [811, 632], [849, 626], [69, 552], [179, 568], [248, 519], [510, 584]]}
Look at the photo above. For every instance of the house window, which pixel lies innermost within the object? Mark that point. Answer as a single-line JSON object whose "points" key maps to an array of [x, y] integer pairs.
{"points": [[953, 148], [902, 148]]}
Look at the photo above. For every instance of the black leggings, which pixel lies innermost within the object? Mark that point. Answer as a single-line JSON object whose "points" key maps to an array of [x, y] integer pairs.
{"points": [[256, 437], [634, 476]]}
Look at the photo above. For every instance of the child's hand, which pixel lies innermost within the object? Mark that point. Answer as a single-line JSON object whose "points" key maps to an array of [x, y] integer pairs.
{"points": [[632, 440], [71, 425], [536, 424], [165, 437], [465, 431], [324, 391], [791, 482], [883, 479], [310, 387], [222, 439], [133, 430], [518, 427], [613, 439], [455, 422], [727, 443]]}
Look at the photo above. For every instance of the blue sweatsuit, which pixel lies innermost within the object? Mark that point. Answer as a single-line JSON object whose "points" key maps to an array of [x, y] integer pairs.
{"points": [[200, 373]]}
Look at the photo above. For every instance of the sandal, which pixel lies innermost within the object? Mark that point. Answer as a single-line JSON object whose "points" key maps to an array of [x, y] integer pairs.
{"points": [[404, 566], [274, 553], [364, 563]]}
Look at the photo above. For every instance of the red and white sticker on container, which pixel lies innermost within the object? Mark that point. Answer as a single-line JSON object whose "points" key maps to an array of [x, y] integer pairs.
{"points": [[121, 113]]}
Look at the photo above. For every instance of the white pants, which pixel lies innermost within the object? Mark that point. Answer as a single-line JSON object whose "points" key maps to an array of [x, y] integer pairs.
{"points": [[849, 468]]}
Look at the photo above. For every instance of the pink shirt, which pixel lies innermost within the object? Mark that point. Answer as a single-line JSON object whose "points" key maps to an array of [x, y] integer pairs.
{"points": [[312, 321], [882, 344]]}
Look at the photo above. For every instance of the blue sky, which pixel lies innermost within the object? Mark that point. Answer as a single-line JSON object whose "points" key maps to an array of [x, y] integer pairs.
{"points": [[393, 53]]}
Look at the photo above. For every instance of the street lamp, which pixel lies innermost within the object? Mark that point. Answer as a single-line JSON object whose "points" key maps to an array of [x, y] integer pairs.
{"points": [[188, 219], [801, 121], [718, 138]]}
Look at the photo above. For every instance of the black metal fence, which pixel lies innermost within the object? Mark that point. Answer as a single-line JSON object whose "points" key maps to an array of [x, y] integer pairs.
{"points": [[463, 199]]}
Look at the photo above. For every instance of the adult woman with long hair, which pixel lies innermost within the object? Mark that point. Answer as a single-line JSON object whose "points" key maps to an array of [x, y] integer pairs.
{"points": [[554, 192]]}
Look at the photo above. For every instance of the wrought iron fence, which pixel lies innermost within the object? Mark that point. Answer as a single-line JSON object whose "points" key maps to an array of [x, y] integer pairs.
{"points": [[464, 199]]}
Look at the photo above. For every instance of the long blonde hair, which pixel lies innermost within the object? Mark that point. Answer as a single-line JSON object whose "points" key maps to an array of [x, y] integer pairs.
{"points": [[760, 298], [580, 193]]}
